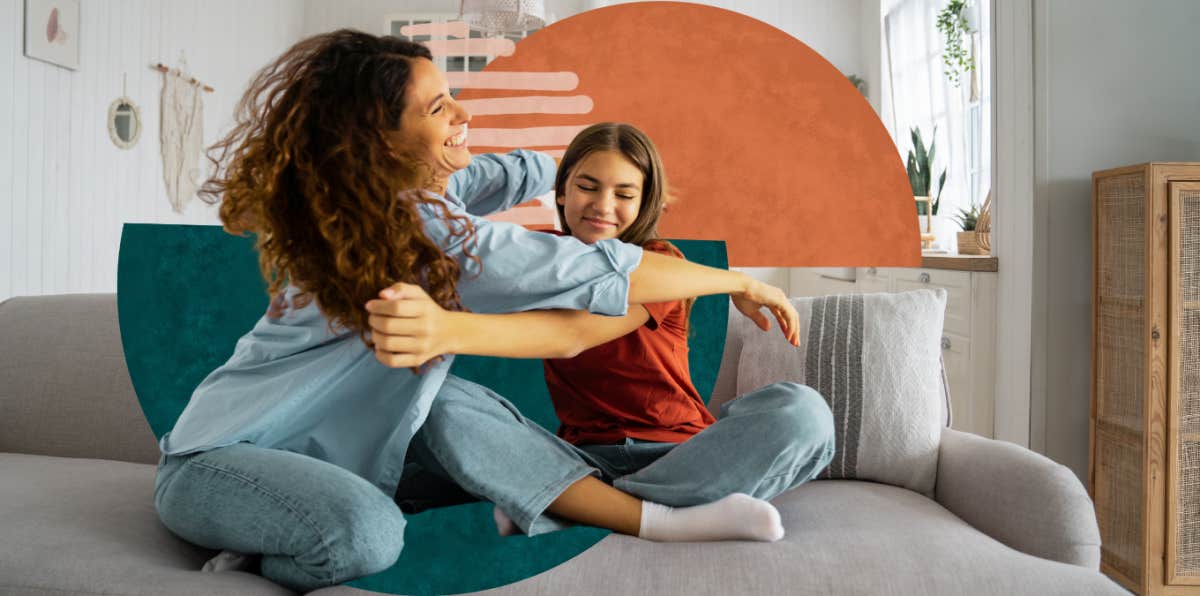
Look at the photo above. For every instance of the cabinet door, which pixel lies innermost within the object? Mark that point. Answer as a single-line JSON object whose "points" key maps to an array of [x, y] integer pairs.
{"points": [[871, 280], [1183, 387], [958, 293], [956, 357]]}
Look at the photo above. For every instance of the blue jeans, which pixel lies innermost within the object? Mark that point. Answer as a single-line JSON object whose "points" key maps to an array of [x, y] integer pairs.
{"points": [[315, 524], [763, 443]]}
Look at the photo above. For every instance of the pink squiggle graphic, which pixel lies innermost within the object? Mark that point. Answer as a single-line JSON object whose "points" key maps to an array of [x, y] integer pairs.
{"points": [[494, 46], [538, 214], [454, 29], [526, 81], [530, 104], [541, 136]]}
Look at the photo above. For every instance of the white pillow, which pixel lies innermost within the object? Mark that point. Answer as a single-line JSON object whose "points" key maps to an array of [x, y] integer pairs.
{"points": [[876, 358]]}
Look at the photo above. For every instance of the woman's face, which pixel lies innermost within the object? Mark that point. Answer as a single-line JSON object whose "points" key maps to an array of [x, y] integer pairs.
{"points": [[603, 196], [433, 126]]}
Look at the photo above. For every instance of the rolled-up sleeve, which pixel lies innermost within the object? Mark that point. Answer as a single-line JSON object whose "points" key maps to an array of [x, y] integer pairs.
{"points": [[521, 270], [498, 182]]}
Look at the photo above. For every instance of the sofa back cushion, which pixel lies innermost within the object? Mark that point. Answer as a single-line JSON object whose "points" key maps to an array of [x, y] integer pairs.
{"points": [[64, 388]]}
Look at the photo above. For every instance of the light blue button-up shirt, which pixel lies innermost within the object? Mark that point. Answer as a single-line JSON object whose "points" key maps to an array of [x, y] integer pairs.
{"points": [[293, 384]]}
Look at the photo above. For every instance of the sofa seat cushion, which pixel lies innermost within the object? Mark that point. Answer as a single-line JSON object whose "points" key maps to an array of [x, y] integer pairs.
{"points": [[88, 526], [843, 537], [83, 526]]}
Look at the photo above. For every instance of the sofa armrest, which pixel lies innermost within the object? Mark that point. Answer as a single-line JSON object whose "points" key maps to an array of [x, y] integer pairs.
{"points": [[1018, 497]]}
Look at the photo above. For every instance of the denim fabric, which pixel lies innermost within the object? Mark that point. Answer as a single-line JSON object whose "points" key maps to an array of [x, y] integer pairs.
{"points": [[763, 443], [314, 523]]}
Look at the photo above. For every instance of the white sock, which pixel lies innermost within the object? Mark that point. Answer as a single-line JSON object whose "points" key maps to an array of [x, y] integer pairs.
{"points": [[736, 517], [505, 526]]}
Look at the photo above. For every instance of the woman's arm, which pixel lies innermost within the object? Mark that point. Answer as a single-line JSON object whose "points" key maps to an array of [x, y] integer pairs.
{"points": [[408, 328], [495, 182]]}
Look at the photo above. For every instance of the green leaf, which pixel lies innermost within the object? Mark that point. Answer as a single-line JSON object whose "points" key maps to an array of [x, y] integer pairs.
{"points": [[914, 177]]}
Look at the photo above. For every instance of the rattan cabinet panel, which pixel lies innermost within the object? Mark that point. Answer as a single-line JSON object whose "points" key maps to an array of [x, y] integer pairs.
{"points": [[1145, 422]]}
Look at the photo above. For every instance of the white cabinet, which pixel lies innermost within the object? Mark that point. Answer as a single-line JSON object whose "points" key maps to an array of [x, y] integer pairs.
{"points": [[968, 335]]}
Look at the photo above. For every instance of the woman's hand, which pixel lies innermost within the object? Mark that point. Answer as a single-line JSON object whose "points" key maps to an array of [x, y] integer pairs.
{"points": [[758, 295], [408, 328]]}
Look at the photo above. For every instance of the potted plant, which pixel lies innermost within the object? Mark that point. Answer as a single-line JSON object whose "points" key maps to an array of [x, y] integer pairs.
{"points": [[920, 171], [954, 23], [968, 241]]}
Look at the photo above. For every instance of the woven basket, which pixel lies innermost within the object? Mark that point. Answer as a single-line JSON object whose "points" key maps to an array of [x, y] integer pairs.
{"points": [[983, 227], [968, 244]]}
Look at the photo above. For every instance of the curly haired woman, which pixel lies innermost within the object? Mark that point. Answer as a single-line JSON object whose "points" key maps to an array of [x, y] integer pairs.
{"points": [[349, 164]]}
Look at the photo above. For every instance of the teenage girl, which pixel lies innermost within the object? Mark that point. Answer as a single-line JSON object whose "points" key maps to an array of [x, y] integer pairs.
{"points": [[627, 406]]}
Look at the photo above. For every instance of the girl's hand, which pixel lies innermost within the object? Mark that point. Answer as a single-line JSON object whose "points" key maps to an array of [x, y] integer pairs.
{"points": [[758, 295], [408, 328]]}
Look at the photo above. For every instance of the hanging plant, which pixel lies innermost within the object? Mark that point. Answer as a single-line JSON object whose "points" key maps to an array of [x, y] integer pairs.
{"points": [[952, 24], [858, 83]]}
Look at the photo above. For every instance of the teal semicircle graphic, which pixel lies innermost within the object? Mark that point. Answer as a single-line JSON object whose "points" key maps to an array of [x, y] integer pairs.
{"points": [[186, 293]]}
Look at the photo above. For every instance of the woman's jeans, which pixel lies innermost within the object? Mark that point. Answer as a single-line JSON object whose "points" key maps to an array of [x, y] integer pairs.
{"points": [[315, 524], [763, 443]]}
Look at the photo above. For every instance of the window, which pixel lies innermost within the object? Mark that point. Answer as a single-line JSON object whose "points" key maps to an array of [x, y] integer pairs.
{"points": [[923, 98], [468, 63]]}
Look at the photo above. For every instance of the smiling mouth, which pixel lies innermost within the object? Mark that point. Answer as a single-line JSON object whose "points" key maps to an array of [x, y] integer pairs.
{"points": [[599, 222], [457, 140]]}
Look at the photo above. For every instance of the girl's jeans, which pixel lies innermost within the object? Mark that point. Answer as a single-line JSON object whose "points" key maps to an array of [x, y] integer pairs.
{"points": [[763, 443]]}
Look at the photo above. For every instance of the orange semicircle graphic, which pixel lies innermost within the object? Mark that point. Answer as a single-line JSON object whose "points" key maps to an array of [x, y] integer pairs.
{"points": [[766, 145]]}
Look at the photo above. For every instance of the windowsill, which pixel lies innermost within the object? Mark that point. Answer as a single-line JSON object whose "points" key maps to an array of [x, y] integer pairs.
{"points": [[980, 263]]}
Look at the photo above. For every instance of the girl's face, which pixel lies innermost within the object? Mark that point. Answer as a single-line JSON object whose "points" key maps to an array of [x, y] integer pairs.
{"points": [[603, 196], [433, 126]]}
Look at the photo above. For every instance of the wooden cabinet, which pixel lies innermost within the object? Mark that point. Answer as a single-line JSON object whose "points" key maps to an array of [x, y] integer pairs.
{"points": [[1144, 470], [968, 334]]}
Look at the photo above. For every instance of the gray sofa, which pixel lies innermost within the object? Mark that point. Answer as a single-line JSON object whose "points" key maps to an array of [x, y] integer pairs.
{"points": [[77, 467]]}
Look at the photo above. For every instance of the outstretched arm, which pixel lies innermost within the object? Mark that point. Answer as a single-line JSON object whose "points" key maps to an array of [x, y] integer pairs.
{"points": [[408, 328]]}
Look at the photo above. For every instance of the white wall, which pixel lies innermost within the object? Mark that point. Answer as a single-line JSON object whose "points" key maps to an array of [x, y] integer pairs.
{"points": [[1115, 84], [65, 189]]}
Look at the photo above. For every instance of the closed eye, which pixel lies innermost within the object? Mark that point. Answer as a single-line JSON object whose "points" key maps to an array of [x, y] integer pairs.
{"points": [[628, 197], [584, 188]]}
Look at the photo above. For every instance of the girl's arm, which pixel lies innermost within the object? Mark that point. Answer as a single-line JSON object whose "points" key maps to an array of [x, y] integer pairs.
{"points": [[408, 328]]}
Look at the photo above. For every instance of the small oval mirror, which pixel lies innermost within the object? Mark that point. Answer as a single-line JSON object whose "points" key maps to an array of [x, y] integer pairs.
{"points": [[124, 122]]}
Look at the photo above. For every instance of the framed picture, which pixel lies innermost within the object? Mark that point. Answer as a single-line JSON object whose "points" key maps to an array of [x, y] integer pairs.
{"points": [[52, 31]]}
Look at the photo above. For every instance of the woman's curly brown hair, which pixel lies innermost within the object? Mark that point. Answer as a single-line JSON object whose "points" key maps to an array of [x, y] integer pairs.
{"points": [[308, 169]]}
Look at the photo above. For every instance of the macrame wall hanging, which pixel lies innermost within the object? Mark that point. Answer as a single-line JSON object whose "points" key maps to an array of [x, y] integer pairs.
{"points": [[181, 132]]}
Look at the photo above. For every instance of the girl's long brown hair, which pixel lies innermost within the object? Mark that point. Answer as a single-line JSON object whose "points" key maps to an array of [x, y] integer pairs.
{"points": [[309, 170]]}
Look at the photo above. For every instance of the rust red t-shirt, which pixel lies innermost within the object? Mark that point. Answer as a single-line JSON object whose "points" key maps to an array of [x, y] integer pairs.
{"points": [[636, 386]]}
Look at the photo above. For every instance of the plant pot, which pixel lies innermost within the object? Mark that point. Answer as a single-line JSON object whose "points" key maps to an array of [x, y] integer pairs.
{"points": [[968, 243], [943, 230]]}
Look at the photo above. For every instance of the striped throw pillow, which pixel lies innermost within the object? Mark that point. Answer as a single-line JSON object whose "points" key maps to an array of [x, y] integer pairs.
{"points": [[876, 358]]}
